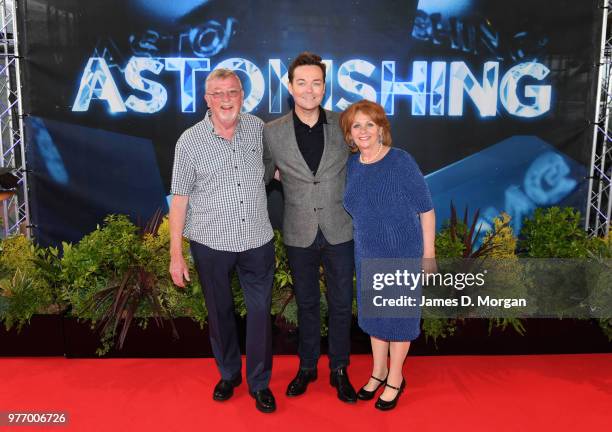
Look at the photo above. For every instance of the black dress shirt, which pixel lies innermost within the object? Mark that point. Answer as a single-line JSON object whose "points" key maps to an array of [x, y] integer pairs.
{"points": [[311, 140]]}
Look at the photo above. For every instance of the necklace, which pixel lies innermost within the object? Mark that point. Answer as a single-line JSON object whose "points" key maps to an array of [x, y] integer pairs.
{"points": [[363, 160]]}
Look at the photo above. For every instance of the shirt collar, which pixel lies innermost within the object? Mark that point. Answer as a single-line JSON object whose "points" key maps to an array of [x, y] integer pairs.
{"points": [[211, 127], [322, 119]]}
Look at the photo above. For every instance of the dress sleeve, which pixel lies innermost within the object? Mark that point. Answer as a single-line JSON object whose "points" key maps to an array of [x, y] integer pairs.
{"points": [[416, 187], [183, 170]]}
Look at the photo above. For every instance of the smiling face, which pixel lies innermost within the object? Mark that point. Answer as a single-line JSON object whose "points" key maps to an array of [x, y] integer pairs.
{"points": [[307, 87], [224, 97], [364, 132]]}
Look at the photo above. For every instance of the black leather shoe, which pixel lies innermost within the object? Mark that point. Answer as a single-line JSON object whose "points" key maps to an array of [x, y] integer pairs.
{"points": [[299, 384], [225, 388], [365, 395], [264, 401], [384, 405], [339, 379]]}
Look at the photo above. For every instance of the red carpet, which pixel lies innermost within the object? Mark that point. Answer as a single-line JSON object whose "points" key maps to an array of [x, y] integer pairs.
{"points": [[503, 393]]}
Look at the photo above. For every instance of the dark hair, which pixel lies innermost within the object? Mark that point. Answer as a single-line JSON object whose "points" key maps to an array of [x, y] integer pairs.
{"points": [[306, 59], [372, 110]]}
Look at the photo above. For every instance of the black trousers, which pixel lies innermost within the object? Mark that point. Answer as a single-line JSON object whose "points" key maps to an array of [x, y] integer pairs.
{"points": [[338, 264], [255, 268]]}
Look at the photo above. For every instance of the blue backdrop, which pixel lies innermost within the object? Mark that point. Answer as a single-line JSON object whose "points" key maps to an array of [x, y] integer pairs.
{"points": [[491, 98]]}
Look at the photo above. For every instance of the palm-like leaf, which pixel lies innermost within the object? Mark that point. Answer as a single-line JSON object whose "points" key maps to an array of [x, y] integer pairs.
{"points": [[469, 237]]}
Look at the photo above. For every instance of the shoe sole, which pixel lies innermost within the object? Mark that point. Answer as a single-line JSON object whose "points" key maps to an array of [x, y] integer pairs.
{"points": [[265, 411], [218, 399], [369, 398], [348, 401], [384, 409]]}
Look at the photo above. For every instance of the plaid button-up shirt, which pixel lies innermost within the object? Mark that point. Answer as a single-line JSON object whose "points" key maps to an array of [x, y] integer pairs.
{"points": [[224, 181]]}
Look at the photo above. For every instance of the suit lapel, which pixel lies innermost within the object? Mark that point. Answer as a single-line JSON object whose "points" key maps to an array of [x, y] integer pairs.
{"points": [[328, 134]]}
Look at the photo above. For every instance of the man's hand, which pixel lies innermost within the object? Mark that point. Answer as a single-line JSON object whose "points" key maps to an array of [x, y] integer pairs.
{"points": [[277, 175], [179, 271], [178, 268]]}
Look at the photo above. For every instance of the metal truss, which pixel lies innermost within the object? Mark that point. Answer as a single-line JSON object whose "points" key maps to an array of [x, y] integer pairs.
{"points": [[599, 205], [14, 210]]}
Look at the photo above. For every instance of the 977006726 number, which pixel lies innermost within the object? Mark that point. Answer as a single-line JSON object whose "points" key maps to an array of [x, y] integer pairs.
{"points": [[33, 418]]}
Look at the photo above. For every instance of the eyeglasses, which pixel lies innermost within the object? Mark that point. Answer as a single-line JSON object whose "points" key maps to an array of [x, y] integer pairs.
{"points": [[232, 94]]}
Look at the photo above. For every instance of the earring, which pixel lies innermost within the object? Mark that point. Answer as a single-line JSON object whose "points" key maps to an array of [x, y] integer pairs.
{"points": [[380, 141]]}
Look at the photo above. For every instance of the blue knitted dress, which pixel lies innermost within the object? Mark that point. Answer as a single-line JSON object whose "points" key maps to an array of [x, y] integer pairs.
{"points": [[384, 199]]}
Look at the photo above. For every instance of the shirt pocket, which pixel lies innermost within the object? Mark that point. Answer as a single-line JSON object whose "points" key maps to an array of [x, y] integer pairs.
{"points": [[252, 158]]}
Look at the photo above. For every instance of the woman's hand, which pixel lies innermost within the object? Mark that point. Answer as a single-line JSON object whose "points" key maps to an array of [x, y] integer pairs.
{"points": [[429, 265]]}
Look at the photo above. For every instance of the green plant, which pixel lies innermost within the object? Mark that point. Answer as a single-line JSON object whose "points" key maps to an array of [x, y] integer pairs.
{"points": [[554, 233], [600, 282], [507, 280], [187, 302], [501, 238], [282, 290], [438, 328], [458, 245], [118, 273], [21, 300], [516, 324], [26, 287], [460, 238], [600, 247]]}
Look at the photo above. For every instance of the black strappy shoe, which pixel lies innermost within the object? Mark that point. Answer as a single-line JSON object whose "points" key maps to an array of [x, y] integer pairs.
{"points": [[384, 405], [365, 395]]}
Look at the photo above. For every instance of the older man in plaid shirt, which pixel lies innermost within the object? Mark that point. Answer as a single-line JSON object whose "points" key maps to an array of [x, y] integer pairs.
{"points": [[219, 204]]}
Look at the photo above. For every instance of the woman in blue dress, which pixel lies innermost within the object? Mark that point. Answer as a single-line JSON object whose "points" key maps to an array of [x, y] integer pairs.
{"points": [[393, 218]]}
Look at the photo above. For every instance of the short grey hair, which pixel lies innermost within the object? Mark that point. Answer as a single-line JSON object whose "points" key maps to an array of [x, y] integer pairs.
{"points": [[221, 73]]}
